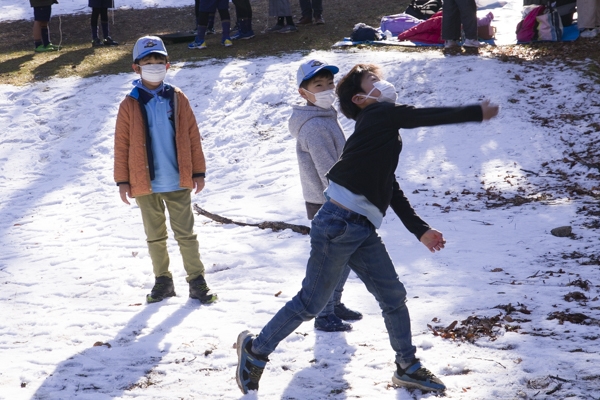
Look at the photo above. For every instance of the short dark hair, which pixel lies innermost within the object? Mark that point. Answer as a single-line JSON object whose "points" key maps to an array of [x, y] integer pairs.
{"points": [[350, 85], [156, 56], [322, 73]]}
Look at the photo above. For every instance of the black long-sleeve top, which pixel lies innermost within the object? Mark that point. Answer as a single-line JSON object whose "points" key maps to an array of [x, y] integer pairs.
{"points": [[368, 162]]}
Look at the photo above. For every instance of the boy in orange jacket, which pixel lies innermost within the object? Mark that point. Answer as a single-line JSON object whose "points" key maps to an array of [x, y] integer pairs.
{"points": [[159, 161]]}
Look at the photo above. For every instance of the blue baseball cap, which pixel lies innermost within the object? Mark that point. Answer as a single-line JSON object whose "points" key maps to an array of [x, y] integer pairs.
{"points": [[147, 45], [310, 68]]}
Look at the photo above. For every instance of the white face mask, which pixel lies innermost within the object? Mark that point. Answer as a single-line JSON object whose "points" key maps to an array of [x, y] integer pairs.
{"points": [[387, 90], [323, 99], [154, 73]]}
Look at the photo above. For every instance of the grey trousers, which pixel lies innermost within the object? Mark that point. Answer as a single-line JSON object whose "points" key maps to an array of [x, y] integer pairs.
{"points": [[456, 12], [280, 8], [588, 14]]}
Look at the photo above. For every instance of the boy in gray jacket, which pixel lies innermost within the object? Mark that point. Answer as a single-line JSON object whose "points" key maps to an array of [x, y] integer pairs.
{"points": [[319, 143]]}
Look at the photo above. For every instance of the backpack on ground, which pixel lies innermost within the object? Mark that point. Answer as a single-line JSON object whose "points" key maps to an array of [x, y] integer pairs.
{"points": [[527, 28], [423, 9]]}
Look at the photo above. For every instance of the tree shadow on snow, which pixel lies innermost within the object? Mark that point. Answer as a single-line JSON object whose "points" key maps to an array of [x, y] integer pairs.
{"points": [[109, 369]]}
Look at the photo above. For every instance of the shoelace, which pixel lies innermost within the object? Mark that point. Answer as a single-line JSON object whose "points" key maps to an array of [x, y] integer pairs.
{"points": [[203, 287], [423, 373]]}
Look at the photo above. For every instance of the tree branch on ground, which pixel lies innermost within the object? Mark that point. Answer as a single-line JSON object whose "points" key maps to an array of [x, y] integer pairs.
{"points": [[276, 226]]}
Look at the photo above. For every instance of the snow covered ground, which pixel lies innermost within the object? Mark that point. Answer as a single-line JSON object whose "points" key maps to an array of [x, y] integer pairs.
{"points": [[74, 269]]}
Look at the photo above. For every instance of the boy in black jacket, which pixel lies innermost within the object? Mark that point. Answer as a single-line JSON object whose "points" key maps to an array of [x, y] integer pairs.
{"points": [[362, 185]]}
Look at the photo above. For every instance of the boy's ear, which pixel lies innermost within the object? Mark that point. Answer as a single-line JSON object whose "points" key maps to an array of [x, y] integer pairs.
{"points": [[136, 68], [358, 99], [302, 93]]}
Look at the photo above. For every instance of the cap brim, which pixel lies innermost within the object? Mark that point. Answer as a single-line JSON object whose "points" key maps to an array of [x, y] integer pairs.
{"points": [[142, 55], [331, 68]]}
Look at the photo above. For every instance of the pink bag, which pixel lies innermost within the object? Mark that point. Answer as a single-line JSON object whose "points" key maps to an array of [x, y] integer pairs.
{"points": [[526, 29]]}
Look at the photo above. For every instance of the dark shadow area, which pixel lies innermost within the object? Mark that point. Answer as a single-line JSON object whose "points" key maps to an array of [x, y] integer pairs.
{"points": [[15, 64], [65, 60], [93, 370]]}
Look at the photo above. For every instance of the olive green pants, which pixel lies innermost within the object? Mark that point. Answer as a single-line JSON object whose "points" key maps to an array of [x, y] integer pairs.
{"points": [[181, 219]]}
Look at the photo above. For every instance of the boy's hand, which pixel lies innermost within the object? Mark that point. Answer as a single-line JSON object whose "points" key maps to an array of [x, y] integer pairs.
{"points": [[198, 184], [125, 192], [489, 110], [433, 240]]}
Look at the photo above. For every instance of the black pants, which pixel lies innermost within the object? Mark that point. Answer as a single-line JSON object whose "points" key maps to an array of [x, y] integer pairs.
{"points": [[242, 9]]}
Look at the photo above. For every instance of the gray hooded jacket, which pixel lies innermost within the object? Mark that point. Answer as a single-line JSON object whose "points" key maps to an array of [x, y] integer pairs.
{"points": [[319, 143]]}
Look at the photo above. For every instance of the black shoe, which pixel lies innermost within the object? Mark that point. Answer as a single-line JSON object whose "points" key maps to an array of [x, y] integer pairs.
{"points": [[418, 377], [305, 20], [108, 41], [97, 42], [343, 312], [319, 20], [163, 287], [331, 323], [199, 290]]}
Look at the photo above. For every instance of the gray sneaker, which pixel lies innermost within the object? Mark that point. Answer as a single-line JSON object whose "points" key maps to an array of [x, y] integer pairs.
{"points": [[449, 44], [417, 377], [276, 28], [472, 43], [588, 33], [288, 29]]}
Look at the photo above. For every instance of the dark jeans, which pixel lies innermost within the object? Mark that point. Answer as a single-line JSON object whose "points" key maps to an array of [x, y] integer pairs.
{"points": [[338, 238], [456, 12], [311, 7]]}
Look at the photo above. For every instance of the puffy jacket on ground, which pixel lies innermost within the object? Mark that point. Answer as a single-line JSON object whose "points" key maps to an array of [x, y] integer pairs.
{"points": [[429, 31]]}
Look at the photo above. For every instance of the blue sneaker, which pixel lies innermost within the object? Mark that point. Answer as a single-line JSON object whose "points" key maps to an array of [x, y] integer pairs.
{"points": [[250, 367], [331, 323], [417, 377], [243, 35], [227, 42], [197, 45]]}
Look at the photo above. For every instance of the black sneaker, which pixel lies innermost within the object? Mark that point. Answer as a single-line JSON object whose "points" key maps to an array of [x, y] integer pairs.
{"points": [[417, 377], [163, 287], [343, 312], [199, 290], [331, 323], [97, 42], [250, 366], [110, 42]]}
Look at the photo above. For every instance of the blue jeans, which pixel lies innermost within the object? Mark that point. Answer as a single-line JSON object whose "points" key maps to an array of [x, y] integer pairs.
{"points": [[340, 237], [336, 298]]}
